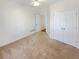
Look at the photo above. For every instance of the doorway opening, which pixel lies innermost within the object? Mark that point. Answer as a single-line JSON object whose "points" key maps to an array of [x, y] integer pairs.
{"points": [[43, 24]]}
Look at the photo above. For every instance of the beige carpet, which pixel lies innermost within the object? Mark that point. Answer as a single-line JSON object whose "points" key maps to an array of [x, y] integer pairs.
{"points": [[38, 46]]}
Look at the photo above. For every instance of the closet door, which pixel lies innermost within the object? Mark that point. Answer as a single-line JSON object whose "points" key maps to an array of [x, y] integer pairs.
{"points": [[58, 26], [70, 26], [76, 30]]}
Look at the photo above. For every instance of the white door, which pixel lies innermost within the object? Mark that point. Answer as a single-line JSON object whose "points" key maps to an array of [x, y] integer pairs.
{"points": [[58, 26], [71, 33], [69, 23], [76, 32], [38, 23]]}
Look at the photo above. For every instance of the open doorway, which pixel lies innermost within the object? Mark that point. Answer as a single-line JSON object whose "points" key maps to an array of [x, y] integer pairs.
{"points": [[40, 23], [43, 25]]}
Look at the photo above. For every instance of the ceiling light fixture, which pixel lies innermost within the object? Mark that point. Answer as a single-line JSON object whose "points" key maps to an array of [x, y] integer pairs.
{"points": [[35, 3]]}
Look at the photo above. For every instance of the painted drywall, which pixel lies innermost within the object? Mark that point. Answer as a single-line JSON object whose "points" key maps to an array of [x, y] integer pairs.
{"points": [[64, 22], [16, 21]]}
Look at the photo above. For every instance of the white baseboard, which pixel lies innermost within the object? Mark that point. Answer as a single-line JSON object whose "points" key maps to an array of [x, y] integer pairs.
{"points": [[74, 45], [19, 38]]}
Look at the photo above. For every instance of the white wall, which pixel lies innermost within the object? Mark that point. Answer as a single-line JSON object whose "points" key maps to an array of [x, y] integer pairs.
{"points": [[16, 21], [64, 22]]}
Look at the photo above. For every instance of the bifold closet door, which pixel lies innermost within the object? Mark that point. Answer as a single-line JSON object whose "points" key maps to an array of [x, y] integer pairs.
{"points": [[71, 33], [76, 30], [58, 26], [70, 25]]}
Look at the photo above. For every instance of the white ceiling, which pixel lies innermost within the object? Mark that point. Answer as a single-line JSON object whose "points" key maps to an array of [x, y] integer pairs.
{"points": [[28, 2]]}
